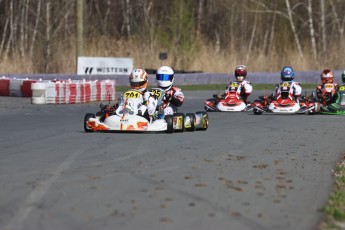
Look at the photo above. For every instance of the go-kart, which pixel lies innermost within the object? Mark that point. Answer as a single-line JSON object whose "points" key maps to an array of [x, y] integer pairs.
{"points": [[188, 121], [111, 119], [285, 103], [229, 102], [338, 106]]}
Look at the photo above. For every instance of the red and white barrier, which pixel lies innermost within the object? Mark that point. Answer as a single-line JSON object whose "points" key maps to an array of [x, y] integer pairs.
{"points": [[71, 92], [5, 86]]}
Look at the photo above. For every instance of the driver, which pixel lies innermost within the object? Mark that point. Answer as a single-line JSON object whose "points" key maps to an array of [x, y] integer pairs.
{"points": [[327, 79], [147, 104], [245, 88], [174, 96], [287, 74]]}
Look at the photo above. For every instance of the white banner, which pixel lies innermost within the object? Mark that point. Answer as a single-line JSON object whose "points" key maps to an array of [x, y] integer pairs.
{"points": [[104, 65]]}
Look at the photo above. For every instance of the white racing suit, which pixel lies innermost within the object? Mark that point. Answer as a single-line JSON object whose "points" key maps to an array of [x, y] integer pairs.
{"points": [[136, 102], [244, 89], [173, 98], [295, 90]]}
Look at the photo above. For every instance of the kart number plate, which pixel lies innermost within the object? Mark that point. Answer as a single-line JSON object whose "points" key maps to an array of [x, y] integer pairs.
{"points": [[329, 86], [132, 94], [285, 84], [234, 85], [342, 88], [156, 92]]}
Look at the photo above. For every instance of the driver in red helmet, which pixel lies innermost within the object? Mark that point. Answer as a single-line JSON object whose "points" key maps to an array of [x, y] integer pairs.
{"points": [[327, 90], [245, 88]]}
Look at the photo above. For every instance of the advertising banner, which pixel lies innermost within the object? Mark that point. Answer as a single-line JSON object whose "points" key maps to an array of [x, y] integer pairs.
{"points": [[104, 65]]}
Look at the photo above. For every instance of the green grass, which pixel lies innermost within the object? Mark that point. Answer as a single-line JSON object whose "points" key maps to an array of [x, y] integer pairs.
{"points": [[335, 207], [220, 87]]}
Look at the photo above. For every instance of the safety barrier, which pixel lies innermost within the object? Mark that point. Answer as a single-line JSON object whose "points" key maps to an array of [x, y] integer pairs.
{"points": [[58, 92], [72, 91], [16, 87]]}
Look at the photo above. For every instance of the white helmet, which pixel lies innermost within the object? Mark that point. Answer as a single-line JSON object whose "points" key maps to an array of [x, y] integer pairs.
{"points": [[138, 79], [165, 77]]}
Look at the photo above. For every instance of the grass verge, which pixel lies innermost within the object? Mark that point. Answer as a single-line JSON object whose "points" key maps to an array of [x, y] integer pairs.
{"points": [[335, 207]]}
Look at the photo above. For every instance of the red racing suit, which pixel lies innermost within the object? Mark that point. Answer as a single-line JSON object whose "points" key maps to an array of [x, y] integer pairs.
{"points": [[326, 92], [173, 98]]}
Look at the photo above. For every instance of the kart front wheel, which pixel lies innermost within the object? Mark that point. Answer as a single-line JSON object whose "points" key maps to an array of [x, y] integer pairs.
{"points": [[257, 111], [179, 122], [203, 116], [170, 123], [86, 119], [190, 127]]}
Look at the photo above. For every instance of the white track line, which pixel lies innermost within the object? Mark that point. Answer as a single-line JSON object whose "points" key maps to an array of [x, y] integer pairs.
{"points": [[16, 222]]}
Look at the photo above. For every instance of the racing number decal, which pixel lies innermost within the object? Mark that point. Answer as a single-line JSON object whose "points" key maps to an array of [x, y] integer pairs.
{"points": [[342, 88], [329, 86], [285, 84], [132, 94], [233, 85], [156, 92]]}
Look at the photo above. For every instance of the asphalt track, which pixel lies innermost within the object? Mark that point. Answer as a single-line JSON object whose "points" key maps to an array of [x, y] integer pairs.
{"points": [[245, 172]]}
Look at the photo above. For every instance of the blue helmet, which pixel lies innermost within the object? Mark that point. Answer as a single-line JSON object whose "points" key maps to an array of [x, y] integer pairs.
{"points": [[287, 74]]}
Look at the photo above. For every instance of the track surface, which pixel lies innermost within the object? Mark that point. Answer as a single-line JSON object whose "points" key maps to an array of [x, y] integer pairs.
{"points": [[244, 172]]}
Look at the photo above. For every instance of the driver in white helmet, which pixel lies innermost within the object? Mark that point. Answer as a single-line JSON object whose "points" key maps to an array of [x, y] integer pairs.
{"points": [[145, 105], [174, 96]]}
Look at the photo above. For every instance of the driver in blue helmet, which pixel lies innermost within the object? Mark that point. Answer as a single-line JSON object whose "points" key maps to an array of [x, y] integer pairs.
{"points": [[287, 76]]}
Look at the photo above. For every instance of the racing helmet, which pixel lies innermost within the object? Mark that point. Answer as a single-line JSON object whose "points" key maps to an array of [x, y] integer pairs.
{"points": [[343, 76], [287, 74], [138, 79], [165, 77], [327, 76], [240, 73]]}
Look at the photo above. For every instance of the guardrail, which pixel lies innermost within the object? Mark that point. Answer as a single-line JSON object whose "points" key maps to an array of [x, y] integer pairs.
{"points": [[312, 77]]}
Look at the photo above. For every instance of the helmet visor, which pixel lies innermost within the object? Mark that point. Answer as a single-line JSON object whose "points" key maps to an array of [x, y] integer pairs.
{"points": [[138, 84], [164, 77]]}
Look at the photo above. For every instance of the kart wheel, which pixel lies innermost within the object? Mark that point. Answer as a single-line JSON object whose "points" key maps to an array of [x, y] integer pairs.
{"points": [[204, 117], [179, 122], [86, 119], [170, 123], [257, 112], [191, 127]]}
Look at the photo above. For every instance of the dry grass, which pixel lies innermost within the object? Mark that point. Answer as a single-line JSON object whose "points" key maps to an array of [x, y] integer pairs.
{"points": [[145, 55]]}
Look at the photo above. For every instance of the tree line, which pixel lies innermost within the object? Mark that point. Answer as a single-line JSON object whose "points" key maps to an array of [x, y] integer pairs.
{"points": [[38, 31]]}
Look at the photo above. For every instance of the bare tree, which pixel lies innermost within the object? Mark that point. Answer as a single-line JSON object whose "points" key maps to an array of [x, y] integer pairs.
{"points": [[293, 28], [311, 29], [323, 26]]}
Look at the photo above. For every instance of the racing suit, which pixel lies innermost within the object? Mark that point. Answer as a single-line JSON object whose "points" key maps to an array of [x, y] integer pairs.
{"points": [[173, 98], [326, 96], [244, 89], [145, 105], [295, 90]]}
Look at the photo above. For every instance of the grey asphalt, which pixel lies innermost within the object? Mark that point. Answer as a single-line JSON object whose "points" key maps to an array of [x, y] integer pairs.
{"points": [[245, 172]]}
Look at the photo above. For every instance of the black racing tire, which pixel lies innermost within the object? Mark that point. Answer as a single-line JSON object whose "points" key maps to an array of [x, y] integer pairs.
{"points": [[257, 112], [192, 122], [86, 119], [177, 115], [205, 121], [169, 119]]}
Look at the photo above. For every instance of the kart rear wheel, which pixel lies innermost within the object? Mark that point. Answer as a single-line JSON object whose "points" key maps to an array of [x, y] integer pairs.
{"points": [[257, 112], [191, 117], [179, 122], [169, 119], [86, 119], [204, 117]]}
